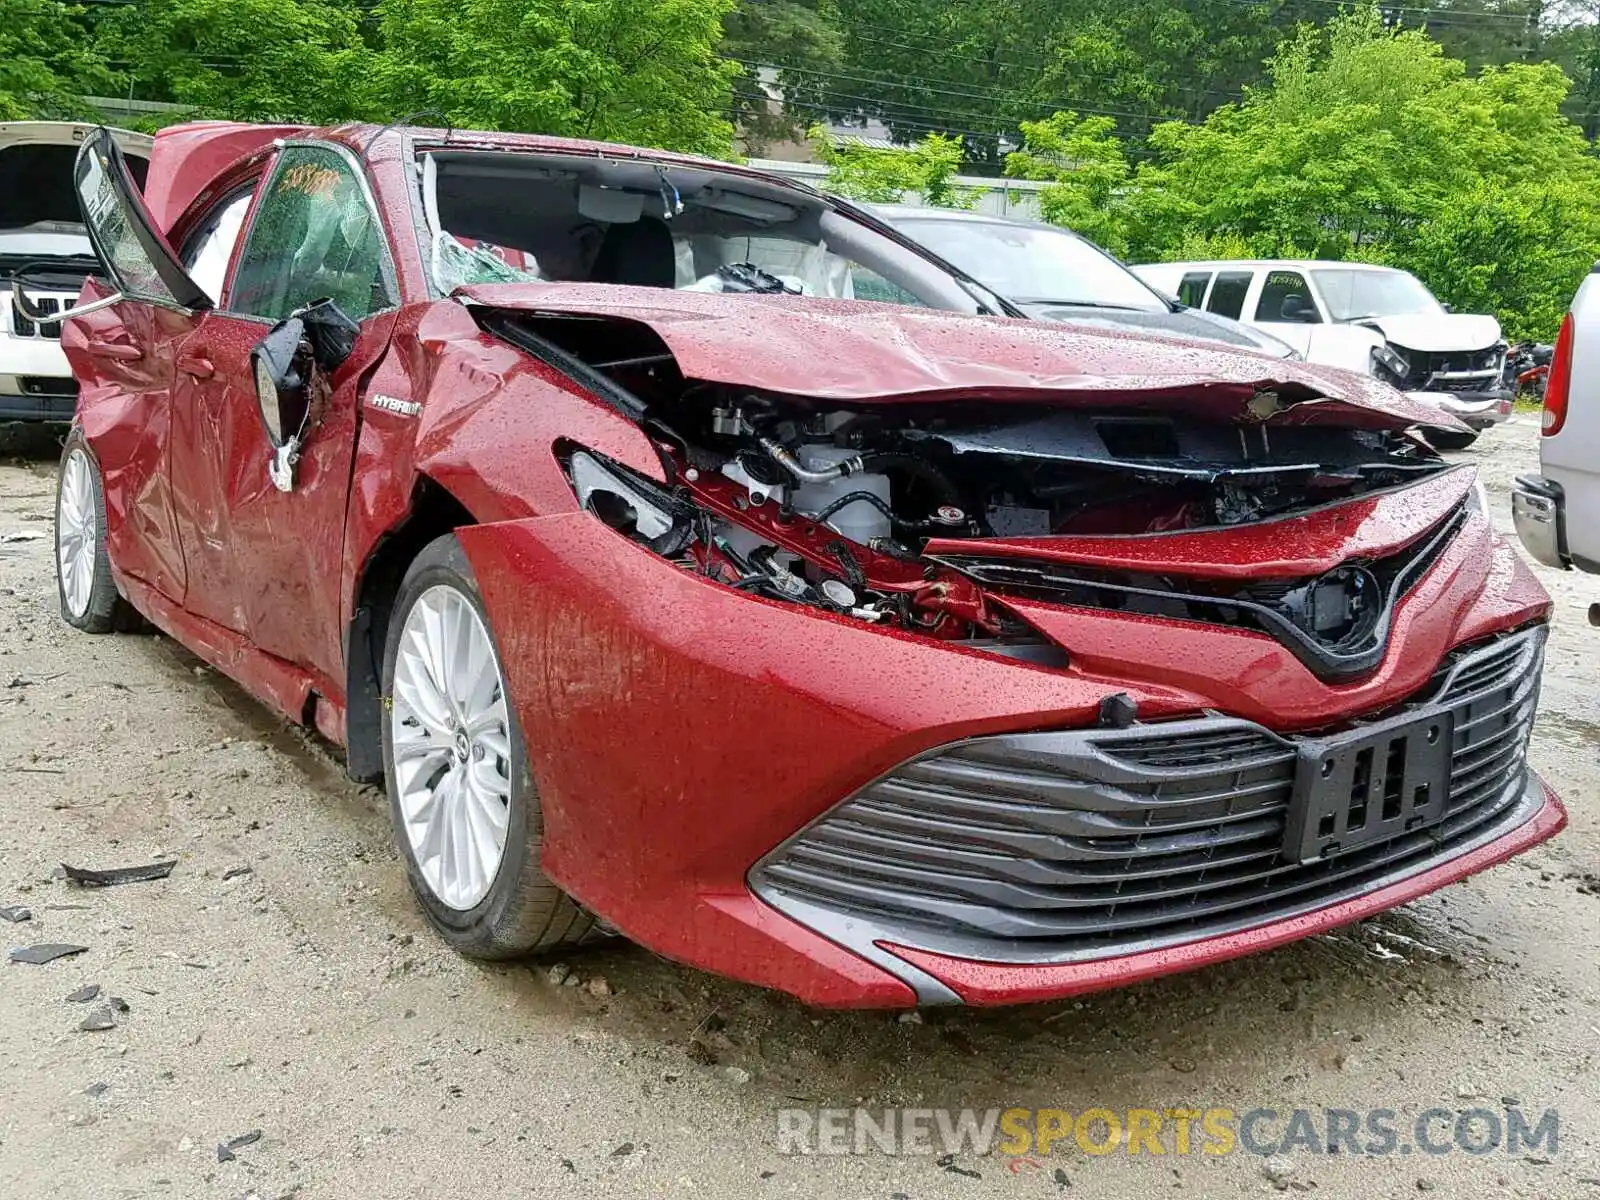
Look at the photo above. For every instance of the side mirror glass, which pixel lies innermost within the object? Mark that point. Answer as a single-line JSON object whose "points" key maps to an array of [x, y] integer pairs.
{"points": [[1293, 308], [281, 364]]}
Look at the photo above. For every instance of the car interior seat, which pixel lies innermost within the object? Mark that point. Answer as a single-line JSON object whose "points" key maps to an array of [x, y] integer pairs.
{"points": [[637, 253]]}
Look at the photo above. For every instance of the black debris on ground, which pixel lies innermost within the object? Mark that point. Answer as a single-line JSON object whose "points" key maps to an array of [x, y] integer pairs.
{"points": [[98, 1021], [225, 1152], [235, 872], [84, 994], [16, 914], [118, 1004], [87, 877], [39, 955], [948, 1163]]}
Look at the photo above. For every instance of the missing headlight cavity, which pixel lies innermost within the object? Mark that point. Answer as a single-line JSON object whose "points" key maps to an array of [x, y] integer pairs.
{"points": [[832, 505]]}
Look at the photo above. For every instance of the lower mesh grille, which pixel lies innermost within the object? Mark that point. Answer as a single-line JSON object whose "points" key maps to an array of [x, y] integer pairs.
{"points": [[1054, 846]]}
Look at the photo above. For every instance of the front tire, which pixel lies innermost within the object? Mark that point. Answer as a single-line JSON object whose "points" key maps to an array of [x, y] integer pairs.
{"points": [[88, 594], [466, 813]]}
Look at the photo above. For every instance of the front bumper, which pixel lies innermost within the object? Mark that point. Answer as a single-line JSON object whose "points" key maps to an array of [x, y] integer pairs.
{"points": [[679, 731], [1480, 410], [1050, 850], [1538, 510], [51, 398]]}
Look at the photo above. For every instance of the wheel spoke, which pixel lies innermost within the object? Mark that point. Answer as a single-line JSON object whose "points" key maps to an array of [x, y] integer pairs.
{"points": [[76, 544], [450, 750]]}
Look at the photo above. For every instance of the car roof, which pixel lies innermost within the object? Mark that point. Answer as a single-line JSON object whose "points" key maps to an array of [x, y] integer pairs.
{"points": [[1300, 264]]}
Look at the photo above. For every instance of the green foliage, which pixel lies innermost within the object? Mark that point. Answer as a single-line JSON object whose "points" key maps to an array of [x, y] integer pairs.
{"points": [[798, 39], [46, 61], [1515, 249], [641, 71], [244, 60], [884, 176], [1085, 166], [1369, 143]]}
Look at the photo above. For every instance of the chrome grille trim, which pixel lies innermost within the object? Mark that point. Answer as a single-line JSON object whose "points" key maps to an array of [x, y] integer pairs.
{"points": [[1056, 847]]}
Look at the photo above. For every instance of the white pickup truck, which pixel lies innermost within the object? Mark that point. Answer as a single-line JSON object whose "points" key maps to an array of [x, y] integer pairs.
{"points": [[1557, 512], [43, 242], [1377, 320]]}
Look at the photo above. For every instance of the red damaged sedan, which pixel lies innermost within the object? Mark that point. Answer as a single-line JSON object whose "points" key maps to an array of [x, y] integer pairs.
{"points": [[690, 553]]}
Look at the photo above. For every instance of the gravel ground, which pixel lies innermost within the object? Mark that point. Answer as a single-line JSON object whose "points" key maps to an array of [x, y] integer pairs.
{"points": [[282, 980]]}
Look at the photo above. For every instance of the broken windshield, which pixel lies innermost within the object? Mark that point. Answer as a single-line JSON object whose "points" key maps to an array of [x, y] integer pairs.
{"points": [[501, 217]]}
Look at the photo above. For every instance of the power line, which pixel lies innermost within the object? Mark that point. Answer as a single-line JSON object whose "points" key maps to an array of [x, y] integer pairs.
{"points": [[938, 89]]}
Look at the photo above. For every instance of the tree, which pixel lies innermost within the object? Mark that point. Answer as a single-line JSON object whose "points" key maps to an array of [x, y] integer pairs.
{"points": [[642, 71], [1368, 143], [801, 43], [46, 61], [884, 176], [1085, 166], [245, 60]]}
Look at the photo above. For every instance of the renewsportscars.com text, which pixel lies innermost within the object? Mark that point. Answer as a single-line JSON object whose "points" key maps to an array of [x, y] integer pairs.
{"points": [[1168, 1131]]}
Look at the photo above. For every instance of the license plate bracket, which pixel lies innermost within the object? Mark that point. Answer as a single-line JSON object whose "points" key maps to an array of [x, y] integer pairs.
{"points": [[1369, 784]]}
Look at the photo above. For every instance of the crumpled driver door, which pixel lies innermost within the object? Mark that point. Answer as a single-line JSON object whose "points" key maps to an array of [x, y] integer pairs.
{"points": [[120, 344]]}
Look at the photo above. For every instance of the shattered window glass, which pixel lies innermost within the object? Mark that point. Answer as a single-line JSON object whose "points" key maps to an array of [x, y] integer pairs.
{"points": [[314, 237], [128, 262], [458, 263]]}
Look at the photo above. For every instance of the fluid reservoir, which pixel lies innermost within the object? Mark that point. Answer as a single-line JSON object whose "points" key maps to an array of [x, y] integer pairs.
{"points": [[860, 521]]}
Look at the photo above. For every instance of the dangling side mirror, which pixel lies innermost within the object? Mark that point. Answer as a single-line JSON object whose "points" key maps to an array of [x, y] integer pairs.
{"points": [[289, 365], [331, 332], [281, 363]]}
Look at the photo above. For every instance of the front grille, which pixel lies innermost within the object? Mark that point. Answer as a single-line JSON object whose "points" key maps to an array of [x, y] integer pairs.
{"points": [[1082, 844], [1462, 369], [21, 326]]}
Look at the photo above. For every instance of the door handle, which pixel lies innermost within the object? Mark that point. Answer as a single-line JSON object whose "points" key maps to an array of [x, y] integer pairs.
{"points": [[193, 364], [120, 351]]}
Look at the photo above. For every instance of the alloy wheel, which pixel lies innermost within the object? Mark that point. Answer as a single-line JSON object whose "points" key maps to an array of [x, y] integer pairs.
{"points": [[77, 533], [451, 747]]}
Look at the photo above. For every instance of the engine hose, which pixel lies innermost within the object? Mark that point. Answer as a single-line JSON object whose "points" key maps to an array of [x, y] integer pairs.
{"points": [[922, 469], [781, 456], [821, 515]]}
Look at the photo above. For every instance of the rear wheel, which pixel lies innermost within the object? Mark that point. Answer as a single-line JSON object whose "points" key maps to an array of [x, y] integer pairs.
{"points": [[465, 809], [88, 594]]}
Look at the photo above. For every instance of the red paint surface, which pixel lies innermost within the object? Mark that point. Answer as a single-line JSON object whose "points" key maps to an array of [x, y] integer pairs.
{"points": [[881, 352], [986, 983], [187, 160], [1307, 544], [678, 729]]}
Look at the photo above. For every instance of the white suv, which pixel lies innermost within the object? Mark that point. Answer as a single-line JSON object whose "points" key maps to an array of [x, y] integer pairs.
{"points": [[42, 238], [1376, 320], [1557, 512]]}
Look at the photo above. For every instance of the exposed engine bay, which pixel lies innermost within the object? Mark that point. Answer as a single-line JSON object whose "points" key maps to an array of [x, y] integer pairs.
{"points": [[863, 509]]}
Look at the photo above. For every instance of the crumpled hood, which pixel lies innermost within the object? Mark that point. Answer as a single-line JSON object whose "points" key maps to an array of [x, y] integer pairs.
{"points": [[845, 350], [1434, 332], [1184, 323]]}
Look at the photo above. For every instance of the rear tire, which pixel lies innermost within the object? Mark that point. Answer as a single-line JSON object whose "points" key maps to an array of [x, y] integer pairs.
{"points": [[87, 592], [466, 813], [1450, 439]]}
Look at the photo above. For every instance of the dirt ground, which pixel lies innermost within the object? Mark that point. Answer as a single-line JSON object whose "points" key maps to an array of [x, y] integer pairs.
{"points": [[306, 998]]}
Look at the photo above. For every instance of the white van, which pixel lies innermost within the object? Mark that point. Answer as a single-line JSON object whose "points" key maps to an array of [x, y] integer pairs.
{"points": [[1377, 320], [42, 238]]}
